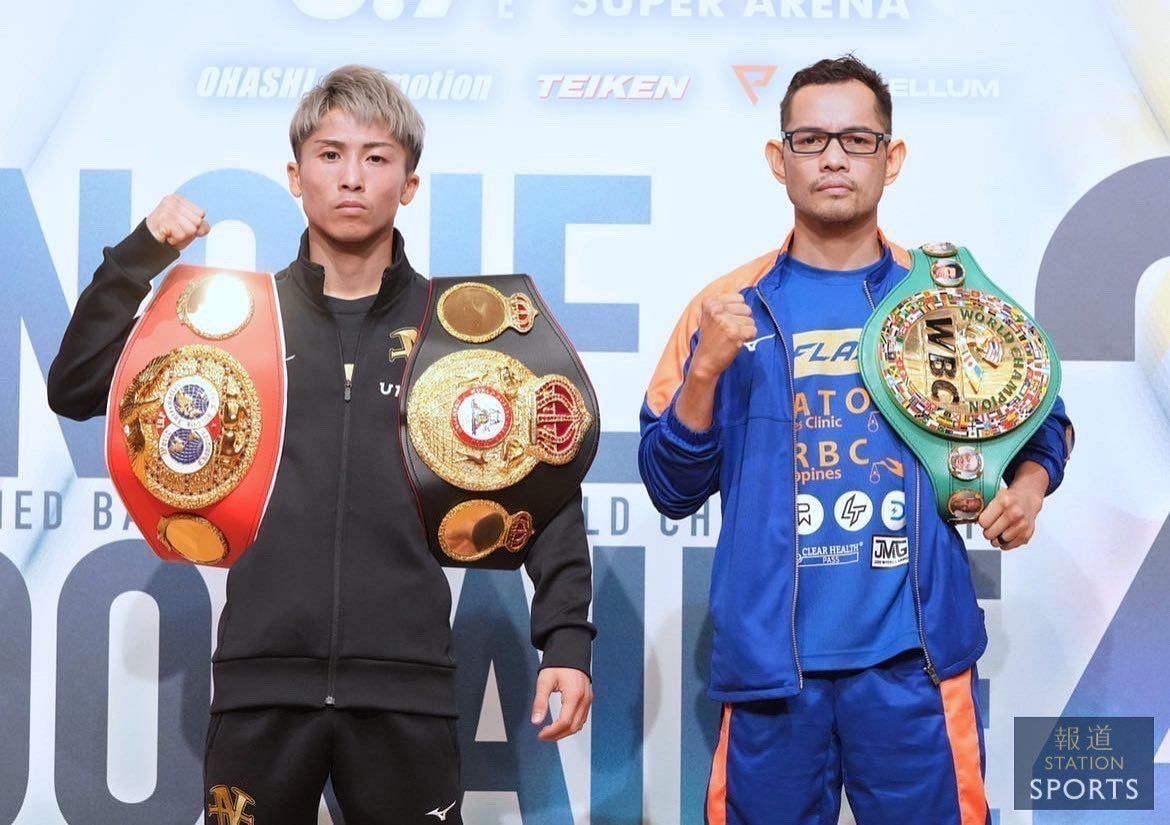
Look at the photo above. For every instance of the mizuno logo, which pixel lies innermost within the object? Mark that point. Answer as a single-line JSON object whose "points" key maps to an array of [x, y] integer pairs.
{"points": [[441, 815], [750, 346]]}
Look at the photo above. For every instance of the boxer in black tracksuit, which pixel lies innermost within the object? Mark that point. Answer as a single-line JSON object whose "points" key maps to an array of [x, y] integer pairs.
{"points": [[334, 655]]}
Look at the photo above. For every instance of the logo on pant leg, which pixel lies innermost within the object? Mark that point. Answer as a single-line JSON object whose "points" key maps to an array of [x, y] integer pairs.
{"points": [[229, 807], [441, 813]]}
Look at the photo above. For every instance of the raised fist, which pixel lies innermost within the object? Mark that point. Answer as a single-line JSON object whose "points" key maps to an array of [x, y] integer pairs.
{"points": [[177, 221], [725, 326]]}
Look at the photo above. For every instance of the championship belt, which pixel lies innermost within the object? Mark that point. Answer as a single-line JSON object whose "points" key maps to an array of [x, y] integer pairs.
{"points": [[195, 420], [499, 420], [961, 372]]}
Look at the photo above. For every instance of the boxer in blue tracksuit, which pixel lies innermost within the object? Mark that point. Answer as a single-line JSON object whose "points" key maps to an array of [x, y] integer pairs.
{"points": [[846, 624]]}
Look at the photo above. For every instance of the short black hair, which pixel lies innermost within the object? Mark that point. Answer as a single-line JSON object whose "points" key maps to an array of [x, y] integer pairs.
{"points": [[841, 70]]}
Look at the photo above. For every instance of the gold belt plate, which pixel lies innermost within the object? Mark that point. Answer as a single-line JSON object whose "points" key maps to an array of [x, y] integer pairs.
{"points": [[481, 420], [191, 420], [964, 364]]}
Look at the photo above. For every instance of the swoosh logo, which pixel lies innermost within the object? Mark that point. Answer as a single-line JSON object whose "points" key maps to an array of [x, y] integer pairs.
{"points": [[751, 345], [441, 815]]}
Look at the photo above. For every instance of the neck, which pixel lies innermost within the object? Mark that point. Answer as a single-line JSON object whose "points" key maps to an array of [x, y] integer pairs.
{"points": [[352, 270], [836, 246]]}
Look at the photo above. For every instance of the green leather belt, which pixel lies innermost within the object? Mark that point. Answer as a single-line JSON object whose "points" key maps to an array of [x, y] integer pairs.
{"points": [[961, 372]]}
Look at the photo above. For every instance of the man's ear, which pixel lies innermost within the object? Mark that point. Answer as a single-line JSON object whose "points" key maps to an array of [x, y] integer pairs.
{"points": [[895, 157], [294, 178], [774, 154], [409, 189]]}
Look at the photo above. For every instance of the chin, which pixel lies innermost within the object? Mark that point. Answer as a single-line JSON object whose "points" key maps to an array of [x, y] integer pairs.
{"points": [[838, 209], [348, 232]]}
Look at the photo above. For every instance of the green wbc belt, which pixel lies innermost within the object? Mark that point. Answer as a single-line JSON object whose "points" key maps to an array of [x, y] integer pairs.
{"points": [[961, 372]]}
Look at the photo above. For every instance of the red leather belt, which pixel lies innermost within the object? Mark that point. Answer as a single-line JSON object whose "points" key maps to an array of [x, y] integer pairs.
{"points": [[195, 421]]}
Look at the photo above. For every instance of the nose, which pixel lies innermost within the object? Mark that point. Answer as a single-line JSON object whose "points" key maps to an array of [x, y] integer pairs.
{"points": [[351, 175], [834, 158]]}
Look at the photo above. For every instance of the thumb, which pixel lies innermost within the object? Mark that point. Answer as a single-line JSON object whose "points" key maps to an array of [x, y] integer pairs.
{"points": [[203, 229], [540, 703]]}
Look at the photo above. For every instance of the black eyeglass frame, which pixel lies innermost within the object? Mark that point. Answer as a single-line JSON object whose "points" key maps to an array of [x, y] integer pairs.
{"points": [[882, 137]]}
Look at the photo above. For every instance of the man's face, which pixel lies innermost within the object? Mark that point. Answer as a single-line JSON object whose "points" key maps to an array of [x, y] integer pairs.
{"points": [[351, 178], [835, 187]]}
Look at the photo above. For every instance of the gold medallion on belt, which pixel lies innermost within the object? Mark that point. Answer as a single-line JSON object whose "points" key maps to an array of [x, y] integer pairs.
{"points": [[191, 422], [481, 420], [963, 364]]}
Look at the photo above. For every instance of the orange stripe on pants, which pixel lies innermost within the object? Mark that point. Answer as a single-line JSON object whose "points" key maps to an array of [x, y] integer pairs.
{"points": [[717, 788], [963, 732]]}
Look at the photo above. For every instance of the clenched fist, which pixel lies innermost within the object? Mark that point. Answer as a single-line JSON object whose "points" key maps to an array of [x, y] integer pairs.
{"points": [[725, 326], [177, 221]]}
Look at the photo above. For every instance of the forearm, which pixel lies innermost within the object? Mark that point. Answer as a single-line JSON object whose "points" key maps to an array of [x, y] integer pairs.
{"points": [[695, 405], [1031, 479], [80, 375], [562, 576]]}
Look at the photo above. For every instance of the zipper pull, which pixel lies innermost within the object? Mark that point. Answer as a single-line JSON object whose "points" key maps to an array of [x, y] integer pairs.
{"points": [[348, 394], [348, 381], [933, 674]]}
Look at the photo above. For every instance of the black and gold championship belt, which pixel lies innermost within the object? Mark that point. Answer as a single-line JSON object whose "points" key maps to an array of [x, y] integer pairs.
{"points": [[499, 420], [195, 420], [961, 372]]}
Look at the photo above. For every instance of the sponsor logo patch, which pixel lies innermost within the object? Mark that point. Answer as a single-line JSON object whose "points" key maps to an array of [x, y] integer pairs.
{"points": [[890, 551]]}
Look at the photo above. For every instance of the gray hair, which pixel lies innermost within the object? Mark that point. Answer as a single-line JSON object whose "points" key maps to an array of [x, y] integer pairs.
{"points": [[369, 96]]}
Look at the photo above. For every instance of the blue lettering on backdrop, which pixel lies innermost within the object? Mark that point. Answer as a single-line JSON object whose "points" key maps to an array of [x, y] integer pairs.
{"points": [[545, 206], [1115, 228], [42, 306], [699, 723], [16, 688], [492, 629], [619, 711], [184, 685]]}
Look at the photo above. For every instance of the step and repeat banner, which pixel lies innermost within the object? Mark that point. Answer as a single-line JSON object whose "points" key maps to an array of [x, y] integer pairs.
{"points": [[614, 150]]}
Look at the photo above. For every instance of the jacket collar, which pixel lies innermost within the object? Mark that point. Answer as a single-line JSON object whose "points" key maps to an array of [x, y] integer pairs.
{"points": [[897, 258], [310, 276]]}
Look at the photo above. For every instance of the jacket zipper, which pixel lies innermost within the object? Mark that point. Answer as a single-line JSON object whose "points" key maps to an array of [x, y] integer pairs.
{"points": [[914, 549], [339, 524], [795, 493]]}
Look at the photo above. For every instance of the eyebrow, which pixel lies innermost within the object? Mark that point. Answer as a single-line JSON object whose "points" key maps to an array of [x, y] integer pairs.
{"points": [[377, 144], [854, 128]]}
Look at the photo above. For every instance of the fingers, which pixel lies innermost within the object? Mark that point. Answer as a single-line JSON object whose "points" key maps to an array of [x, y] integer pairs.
{"points": [[567, 721], [725, 326], [177, 221], [582, 715], [544, 688], [576, 699], [1002, 524], [563, 726], [990, 513], [1005, 522]]}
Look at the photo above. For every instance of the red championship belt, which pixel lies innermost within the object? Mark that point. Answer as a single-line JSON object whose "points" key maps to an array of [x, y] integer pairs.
{"points": [[195, 420]]}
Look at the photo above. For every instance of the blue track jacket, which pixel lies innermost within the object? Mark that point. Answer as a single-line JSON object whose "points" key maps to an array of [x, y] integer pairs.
{"points": [[748, 457]]}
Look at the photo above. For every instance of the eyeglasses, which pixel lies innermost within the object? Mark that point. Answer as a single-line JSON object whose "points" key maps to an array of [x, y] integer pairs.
{"points": [[853, 142]]}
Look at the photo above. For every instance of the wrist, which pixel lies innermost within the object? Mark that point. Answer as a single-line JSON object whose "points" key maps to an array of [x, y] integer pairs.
{"points": [[1031, 479], [702, 374]]}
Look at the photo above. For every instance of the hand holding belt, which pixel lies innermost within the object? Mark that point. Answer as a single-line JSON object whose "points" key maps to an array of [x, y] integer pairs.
{"points": [[195, 420], [961, 372], [499, 420]]}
